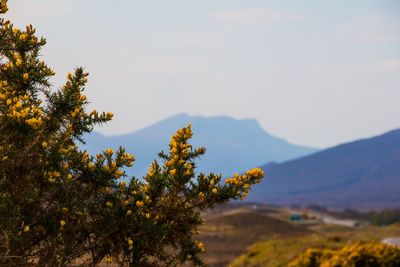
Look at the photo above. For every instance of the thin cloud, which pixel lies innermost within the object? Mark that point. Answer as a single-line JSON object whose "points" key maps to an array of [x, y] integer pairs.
{"points": [[37, 10], [373, 38], [200, 39], [383, 66], [247, 16]]}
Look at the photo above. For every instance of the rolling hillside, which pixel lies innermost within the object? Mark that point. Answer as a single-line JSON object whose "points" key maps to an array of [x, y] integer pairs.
{"points": [[264, 236], [232, 145], [364, 175]]}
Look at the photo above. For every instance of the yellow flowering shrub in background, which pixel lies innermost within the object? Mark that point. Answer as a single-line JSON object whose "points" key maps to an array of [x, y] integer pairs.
{"points": [[59, 204], [353, 255]]}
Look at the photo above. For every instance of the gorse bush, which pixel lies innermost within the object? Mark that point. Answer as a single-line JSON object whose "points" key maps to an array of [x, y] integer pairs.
{"points": [[59, 205], [354, 255]]}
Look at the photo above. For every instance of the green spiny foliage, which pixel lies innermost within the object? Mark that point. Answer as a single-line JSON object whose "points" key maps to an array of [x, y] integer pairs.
{"points": [[59, 204]]}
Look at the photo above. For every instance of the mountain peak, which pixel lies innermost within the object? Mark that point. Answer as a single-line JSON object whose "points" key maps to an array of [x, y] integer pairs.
{"points": [[233, 145], [338, 177]]}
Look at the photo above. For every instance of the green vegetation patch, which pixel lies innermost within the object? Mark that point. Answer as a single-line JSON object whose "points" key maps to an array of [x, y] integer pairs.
{"points": [[280, 251]]}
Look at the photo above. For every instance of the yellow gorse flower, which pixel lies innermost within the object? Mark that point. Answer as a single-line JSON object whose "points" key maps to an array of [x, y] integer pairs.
{"points": [[91, 166], [200, 246], [243, 182], [109, 259], [23, 37], [130, 244], [119, 173], [179, 148], [129, 159], [3, 6], [147, 199], [109, 115], [109, 151], [139, 204], [151, 170]]}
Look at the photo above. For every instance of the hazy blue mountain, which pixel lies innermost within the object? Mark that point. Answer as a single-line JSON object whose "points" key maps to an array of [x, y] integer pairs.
{"points": [[232, 145], [364, 174]]}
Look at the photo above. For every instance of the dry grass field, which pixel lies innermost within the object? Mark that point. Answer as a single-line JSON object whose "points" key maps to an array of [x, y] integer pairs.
{"points": [[263, 236], [229, 233]]}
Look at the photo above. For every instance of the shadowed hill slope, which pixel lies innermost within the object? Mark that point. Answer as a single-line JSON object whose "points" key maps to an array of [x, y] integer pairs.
{"points": [[364, 174]]}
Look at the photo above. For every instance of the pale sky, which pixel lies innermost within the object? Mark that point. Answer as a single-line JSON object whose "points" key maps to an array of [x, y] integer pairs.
{"points": [[316, 73]]}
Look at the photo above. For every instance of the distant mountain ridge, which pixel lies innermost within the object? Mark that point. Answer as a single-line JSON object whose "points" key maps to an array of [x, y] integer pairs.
{"points": [[232, 145], [363, 174]]}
